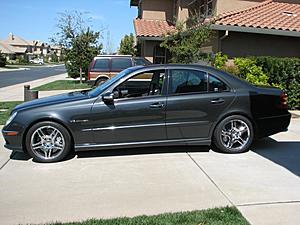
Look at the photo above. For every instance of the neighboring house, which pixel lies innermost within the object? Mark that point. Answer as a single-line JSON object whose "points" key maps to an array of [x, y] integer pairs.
{"points": [[242, 27], [55, 49], [14, 46], [12, 52]]}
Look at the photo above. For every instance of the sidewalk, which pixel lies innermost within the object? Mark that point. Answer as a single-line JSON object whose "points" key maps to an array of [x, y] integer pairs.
{"points": [[295, 113], [12, 69], [16, 92]]}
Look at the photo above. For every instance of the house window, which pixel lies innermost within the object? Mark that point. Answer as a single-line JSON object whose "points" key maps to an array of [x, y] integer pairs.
{"points": [[160, 55], [201, 9]]}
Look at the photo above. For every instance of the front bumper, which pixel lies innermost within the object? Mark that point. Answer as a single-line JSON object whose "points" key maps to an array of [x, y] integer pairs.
{"points": [[13, 140]]}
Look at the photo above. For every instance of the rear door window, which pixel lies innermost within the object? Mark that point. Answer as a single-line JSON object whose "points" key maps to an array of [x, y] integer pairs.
{"points": [[120, 64], [101, 65], [187, 81], [216, 85]]}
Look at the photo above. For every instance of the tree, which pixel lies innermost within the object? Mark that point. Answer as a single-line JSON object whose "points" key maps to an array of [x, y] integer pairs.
{"points": [[54, 57], [80, 44], [184, 44], [84, 47], [127, 45], [2, 60]]}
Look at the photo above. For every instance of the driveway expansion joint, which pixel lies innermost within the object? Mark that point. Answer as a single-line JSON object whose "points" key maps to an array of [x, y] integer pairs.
{"points": [[6, 162], [211, 180], [268, 203]]}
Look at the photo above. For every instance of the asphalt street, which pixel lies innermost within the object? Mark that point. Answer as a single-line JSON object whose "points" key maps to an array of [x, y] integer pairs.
{"points": [[16, 77]]}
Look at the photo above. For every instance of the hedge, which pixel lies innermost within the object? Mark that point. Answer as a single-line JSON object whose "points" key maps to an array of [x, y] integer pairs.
{"points": [[2, 60], [286, 73], [280, 72]]}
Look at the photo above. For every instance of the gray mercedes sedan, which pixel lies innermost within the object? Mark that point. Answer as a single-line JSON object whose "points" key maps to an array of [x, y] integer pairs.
{"points": [[155, 105]]}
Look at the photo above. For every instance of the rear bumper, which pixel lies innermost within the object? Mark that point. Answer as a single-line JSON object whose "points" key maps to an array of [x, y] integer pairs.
{"points": [[271, 125]]}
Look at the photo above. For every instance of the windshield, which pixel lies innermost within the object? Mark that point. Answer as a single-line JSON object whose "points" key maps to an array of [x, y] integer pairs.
{"points": [[96, 91]]}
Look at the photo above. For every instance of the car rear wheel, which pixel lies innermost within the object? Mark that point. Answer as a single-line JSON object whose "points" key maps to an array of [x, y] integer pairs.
{"points": [[234, 134], [101, 81], [48, 142]]}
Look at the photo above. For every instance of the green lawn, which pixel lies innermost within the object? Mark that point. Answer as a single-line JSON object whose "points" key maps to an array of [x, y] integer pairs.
{"points": [[219, 216], [5, 109], [62, 85]]}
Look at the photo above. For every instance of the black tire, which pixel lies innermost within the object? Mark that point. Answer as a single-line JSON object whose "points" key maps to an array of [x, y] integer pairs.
{"points": [[100, 81], [222, 140], [63, 136]]}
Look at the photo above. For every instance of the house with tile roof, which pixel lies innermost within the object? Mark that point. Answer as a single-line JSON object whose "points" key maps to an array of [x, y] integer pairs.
{"points": [[14, 46], [241, 27]]}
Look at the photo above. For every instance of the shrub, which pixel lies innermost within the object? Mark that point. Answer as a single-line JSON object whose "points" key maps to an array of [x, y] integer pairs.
{"points": [[2, 60], [285, 73], [251, 72], [21, 60], [219, 61], [185, 45], [54, 57]]}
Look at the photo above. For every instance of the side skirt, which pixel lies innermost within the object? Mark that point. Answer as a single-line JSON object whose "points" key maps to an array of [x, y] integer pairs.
{"points": [[190, 142]]}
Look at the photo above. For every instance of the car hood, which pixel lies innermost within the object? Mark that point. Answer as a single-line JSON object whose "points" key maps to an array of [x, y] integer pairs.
{"points": [[56, 99]]}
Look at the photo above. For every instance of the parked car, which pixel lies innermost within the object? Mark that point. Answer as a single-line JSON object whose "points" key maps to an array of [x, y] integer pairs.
{"points": [[104, 67], [155, 105], [37, 61]]}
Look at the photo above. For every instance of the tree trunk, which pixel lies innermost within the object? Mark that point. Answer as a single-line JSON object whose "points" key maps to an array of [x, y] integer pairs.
{"points": [[81, 74]]}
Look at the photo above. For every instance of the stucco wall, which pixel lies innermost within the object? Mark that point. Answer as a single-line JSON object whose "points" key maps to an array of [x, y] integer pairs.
{"points": [[288, 1], [248, 44], [230, 5], [147, 49], [157, 9]]}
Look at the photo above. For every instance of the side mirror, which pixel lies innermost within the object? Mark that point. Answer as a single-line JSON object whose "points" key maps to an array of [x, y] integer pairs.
{"points": [[108, 97]]}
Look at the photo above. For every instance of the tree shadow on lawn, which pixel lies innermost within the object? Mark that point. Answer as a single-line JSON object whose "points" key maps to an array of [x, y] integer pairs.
{"points": [[283, 153]]}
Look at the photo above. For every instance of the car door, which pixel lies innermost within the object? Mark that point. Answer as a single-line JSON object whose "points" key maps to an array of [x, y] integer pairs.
{"points": [[195, 100], [137, 113]]}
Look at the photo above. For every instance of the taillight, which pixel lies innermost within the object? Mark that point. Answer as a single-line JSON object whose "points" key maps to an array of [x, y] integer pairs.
{"points": [[90, 68], [283, 101]]}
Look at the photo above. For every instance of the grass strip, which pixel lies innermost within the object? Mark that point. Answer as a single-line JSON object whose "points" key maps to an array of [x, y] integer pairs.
{"points": [[5, 109], [62, 85], [217, 216]]}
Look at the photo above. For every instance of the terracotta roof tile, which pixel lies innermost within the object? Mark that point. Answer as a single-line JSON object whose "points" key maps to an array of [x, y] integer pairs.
{"points": [[268, 15], [152, 28]]}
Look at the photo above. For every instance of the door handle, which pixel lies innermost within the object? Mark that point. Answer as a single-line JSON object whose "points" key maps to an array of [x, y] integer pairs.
{"points": [[217, 101], [157, 105]]}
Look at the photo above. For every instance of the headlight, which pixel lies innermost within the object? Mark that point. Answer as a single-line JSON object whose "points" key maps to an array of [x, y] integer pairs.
{"points": [[11, 118]]}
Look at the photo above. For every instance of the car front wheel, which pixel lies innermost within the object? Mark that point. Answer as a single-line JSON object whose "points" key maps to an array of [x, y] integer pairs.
{"points": [[234, 134], [48, 142]]}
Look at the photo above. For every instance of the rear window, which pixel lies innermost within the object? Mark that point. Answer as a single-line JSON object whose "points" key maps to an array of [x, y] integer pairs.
{"points": [[120, 63], [141, 62], [101, 64]]}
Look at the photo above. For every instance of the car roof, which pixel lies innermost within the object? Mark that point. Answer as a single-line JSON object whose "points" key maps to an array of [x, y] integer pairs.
{"points": [[229, 78], [112, 56]]}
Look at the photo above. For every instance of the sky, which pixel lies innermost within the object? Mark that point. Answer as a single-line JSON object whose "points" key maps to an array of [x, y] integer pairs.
{"points": [[37, 19]]}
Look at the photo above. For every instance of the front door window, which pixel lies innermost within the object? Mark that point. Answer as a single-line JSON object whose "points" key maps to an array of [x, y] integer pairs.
{"points": [[141, 85]]}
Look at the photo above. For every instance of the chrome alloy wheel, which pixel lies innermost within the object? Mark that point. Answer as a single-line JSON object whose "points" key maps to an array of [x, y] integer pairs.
{"points": [[47, 142], [235, 135]]}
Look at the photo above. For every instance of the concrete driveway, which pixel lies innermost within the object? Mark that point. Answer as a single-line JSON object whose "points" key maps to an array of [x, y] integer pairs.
{"points": [[264, 183]]}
